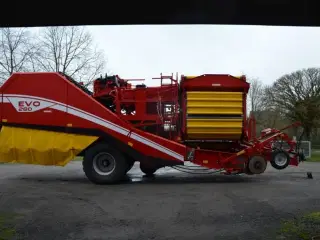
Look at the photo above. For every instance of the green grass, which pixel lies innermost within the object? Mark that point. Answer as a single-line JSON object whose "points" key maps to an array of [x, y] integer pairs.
{"points": [[7, 230], [315, 156], [303, 228]]}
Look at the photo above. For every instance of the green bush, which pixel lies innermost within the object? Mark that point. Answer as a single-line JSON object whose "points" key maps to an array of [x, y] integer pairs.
{"points": [[303, 228]]}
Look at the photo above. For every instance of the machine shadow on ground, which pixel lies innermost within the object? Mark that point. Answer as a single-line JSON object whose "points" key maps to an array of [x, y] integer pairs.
{"points": [[142, 179]]}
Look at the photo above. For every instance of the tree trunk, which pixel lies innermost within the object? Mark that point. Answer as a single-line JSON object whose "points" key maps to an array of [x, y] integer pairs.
{"points": [[307, 133]]}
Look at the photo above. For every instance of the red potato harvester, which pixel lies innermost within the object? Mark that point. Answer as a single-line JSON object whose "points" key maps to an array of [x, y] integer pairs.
{"points": [[49, 119]]}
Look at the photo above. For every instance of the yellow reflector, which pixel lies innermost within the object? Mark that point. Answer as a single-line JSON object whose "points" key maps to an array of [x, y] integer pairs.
{"points": [[190, 77], [241, 152], [30, 146]]}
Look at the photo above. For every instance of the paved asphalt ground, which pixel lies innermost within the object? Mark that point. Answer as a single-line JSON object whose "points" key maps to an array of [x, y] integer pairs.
{"points": [[60, 203]]}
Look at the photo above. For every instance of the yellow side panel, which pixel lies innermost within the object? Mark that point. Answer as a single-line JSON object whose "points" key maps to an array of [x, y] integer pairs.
{"points": [[214, 128], [215, 103], [30, 146], [194, 95]]}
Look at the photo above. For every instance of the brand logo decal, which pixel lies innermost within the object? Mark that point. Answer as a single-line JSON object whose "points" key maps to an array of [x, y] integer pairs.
{"points": [[29, 104]]}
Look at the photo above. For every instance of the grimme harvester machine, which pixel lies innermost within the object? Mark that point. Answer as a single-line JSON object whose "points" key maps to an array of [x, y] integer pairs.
{"points": [[49, 119]]}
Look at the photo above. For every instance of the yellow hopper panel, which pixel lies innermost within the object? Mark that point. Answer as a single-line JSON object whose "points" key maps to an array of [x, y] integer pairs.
{"points": [[211, 115], [31, 146], [226, 103], [214, 128]]}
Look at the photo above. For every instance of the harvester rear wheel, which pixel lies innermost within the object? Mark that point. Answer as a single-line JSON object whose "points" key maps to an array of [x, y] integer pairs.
{"points": [[147, 170], [280, 159], [103, 164]]}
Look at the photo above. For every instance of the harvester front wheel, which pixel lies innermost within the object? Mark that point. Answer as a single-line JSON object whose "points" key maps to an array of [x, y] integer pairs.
{"points": [[280, 159], [103, 164]]}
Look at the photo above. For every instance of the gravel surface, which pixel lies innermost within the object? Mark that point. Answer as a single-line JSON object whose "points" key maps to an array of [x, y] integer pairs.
{"points": [[60, 203]]}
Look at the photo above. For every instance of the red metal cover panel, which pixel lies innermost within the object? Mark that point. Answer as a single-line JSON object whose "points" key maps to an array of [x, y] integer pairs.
{"points": [[49, 99], [215, 82]]}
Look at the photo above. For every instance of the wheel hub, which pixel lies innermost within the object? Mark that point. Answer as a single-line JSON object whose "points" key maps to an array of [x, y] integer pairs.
{"points": [[257, 165], [104, 163]]}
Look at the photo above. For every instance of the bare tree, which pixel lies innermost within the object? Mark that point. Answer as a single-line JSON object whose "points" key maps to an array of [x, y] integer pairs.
{"points": [[16, 49], [256, 102], [256, 93], [70, 50], [297, 96]]}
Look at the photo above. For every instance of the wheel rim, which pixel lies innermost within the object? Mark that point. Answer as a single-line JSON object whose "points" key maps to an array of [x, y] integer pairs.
{"points": [[104, 163], [280, 159]]}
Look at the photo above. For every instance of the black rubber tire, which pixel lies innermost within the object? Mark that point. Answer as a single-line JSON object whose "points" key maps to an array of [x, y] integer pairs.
{"points": [[117, 174], [147, 170], [247, 170], [130, 164], [274, 164], [257, 160]]}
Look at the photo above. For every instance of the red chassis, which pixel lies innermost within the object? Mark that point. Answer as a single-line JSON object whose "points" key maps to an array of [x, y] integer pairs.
{"points": [[157, 126]]}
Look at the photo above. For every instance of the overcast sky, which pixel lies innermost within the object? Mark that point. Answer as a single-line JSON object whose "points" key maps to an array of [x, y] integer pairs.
{"points": [[257, 51]]}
